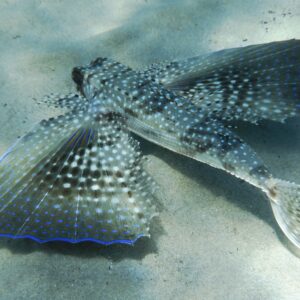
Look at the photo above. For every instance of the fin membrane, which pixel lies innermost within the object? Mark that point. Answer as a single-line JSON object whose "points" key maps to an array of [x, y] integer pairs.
{"points": [[70, 102], [249, 83], [76, 179], [285, 201]]}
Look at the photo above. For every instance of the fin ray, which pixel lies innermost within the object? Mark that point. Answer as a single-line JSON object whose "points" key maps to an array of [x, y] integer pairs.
{"points": [[70, 101], [285, 202], [88, 184], [249, 83]]}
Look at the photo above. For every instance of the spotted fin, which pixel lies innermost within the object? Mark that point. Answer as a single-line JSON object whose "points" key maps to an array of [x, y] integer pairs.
{"points": [[71, 101], [203, 139], [249, 83], [76, 179]]}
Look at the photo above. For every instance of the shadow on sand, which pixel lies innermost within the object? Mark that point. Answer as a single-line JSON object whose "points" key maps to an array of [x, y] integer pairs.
{"points": [[116, 252]]}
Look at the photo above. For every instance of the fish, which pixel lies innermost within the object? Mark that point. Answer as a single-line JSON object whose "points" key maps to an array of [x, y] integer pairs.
{"points": [[81, 176]]}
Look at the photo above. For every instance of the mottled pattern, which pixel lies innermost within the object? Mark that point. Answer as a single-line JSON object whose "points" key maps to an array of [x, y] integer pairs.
{"points": [[77, 177], [71, 101], [80, 176], [251, 83]]}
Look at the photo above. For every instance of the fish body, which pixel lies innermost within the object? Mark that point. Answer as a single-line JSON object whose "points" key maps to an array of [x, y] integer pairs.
{"points": [[169, 120], [89, 182]]}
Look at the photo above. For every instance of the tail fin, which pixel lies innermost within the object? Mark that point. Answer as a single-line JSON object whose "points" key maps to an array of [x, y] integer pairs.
{"points": [[76, 179], [285, 201]]}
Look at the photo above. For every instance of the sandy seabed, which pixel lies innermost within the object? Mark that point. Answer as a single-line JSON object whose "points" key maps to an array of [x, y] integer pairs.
{"points": [[215, 237]]}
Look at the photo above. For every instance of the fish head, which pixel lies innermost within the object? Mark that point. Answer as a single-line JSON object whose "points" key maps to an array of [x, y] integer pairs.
{"points": [[98, 76]]}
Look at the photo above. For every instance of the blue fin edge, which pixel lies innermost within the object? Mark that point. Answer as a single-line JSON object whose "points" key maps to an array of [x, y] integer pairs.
{"points": [[8, 151], [72, 241]]}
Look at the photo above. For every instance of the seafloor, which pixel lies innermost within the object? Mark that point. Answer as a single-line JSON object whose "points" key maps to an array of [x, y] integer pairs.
{"points": [[215, 237]]}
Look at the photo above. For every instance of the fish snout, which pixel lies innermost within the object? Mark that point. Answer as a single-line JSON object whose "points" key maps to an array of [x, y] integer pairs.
{"points": [[78, 77]]}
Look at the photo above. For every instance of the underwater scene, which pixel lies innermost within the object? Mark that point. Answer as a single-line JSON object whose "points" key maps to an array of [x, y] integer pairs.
{"points": [[149, 149]]}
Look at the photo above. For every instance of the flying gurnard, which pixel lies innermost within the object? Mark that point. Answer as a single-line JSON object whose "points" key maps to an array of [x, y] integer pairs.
{"points": [[81, 177]]}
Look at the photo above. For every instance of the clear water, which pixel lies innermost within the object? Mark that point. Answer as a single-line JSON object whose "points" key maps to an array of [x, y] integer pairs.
{"points": [[215, 237]]}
